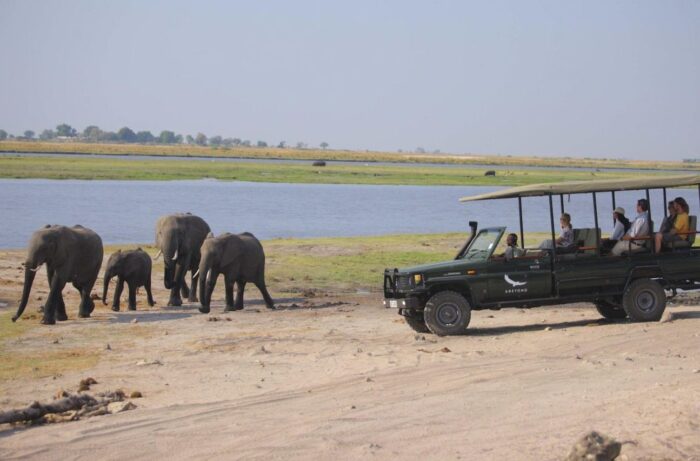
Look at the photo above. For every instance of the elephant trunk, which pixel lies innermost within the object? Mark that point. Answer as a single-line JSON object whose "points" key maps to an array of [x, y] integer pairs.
{"points": [[29, 275], [204, 296], [107, 278]]}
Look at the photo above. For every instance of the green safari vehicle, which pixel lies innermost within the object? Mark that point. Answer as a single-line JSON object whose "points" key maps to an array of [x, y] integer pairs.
{"points": [[440, 297]]}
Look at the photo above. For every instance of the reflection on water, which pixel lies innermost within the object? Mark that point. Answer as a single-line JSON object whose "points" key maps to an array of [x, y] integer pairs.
{"points": [[126, 211]]}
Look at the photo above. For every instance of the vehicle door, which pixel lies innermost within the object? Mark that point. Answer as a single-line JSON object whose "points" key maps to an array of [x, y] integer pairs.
{"points": [[526, 277]]}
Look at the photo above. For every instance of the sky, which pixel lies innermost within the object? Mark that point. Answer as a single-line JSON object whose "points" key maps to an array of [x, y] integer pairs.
{"points": [[604, 79]]}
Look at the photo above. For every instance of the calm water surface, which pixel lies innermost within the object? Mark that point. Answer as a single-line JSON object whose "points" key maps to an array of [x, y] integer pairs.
{"points": [[126, 211]]}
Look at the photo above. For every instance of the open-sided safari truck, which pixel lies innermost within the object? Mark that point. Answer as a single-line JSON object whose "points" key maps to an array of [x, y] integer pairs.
{"points": [[439, 297]]}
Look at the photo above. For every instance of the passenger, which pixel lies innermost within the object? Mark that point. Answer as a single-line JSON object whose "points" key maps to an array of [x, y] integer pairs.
{"points": [[639, 229], [621, 226], [566, 236], [681, 225], [667, 223], [512, 250]]}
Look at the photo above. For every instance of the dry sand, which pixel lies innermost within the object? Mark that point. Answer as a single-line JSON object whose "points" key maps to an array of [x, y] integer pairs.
{"points": [[352, 381]]}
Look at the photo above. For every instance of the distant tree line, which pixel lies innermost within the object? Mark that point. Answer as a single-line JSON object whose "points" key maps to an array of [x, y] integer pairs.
{"points": [[93, 133]]}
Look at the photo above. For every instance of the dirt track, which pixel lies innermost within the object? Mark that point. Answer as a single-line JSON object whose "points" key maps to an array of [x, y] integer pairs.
{"points": [[351, 380]]}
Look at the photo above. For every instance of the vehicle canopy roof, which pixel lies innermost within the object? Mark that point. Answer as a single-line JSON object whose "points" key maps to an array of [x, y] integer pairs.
{"points": [[580, 187]]}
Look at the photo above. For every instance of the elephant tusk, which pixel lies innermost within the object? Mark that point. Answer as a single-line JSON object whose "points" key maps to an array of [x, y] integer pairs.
{"points": [[36, 268], [196, 274], [175, 256], [160, 252]]}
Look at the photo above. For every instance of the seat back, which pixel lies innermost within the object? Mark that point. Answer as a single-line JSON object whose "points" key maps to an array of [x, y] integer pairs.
{"points": [[586, 237], [693, 224]]}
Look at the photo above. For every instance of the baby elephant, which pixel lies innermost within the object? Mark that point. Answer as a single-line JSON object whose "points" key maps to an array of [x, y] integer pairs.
{"points": [[132, 267], [241, 259]]}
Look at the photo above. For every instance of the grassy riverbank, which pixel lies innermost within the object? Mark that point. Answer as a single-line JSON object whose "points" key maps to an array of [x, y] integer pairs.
{"points": [[316, 154], [85, 167]]}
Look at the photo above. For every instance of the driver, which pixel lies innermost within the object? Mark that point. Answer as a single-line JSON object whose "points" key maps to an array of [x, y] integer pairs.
{"points": [[512, 250]]}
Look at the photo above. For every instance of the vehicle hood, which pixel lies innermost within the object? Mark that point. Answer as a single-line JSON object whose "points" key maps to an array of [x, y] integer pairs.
{"points": [[447, 266]]}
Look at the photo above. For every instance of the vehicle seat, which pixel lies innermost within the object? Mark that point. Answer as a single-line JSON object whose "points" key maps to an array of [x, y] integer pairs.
{"points": [[692, 224], [586, 237]]}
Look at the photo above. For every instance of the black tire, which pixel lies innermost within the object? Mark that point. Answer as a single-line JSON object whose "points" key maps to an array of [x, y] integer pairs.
{"points": [[610, 310], [644, 300], [416, 321], [447, 313]]}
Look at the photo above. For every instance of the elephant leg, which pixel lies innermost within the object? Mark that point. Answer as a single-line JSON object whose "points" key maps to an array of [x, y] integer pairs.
{"points": [[87, 305], [266, 296], [132, 296], [240, 288], [117, 294], [184, 289], [228, 284], [147, 286], [61, 314], [213, 275], [193, 286], [52, 302]]}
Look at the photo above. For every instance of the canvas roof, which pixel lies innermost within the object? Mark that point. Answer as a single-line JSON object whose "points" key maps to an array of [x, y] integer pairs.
{"points": [[580, 187]]}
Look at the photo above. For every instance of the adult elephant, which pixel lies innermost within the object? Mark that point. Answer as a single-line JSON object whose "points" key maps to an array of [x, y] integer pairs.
{"points": [[240, 257], [179, 238], [72, 255]]}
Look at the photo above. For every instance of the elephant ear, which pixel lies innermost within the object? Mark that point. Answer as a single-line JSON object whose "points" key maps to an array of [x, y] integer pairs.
{"points": [[231, 251]]}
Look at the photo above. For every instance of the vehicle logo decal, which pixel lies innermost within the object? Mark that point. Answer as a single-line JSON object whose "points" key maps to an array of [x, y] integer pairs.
{"points": [[512, 282]]}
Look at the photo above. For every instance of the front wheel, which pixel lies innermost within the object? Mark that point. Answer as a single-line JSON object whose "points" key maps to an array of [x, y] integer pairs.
{"points": [[644, 300], [416, 321], [610, 310], [447, 313]]}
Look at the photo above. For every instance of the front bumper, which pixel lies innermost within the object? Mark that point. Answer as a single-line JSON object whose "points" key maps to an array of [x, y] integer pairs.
{"points": [[402, 303]]}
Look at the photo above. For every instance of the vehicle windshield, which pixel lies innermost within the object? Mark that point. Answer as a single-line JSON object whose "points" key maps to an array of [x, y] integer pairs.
{"points": [[483, 245]]}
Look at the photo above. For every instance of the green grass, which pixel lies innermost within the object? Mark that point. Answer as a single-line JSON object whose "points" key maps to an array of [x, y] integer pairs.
{"points": [[313, 154], [82, 167]]}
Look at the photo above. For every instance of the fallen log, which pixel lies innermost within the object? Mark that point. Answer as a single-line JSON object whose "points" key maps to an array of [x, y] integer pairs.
{"points": [[82, 404]]}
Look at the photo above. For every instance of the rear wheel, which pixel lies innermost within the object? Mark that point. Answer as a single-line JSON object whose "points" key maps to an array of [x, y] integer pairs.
{"points": [[610, 310], [447, 313], [416, 321], [644, 300]]}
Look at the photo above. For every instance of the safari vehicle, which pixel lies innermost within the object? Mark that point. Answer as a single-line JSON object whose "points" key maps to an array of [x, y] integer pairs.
{"points": [[439, 297]]}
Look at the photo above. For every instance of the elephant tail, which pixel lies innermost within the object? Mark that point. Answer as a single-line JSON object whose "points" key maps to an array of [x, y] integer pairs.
{"points": [[29, 275]]}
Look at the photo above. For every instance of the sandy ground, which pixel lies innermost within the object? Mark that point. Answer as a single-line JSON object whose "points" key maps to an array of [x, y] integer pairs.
{"points": [[351, 380]]}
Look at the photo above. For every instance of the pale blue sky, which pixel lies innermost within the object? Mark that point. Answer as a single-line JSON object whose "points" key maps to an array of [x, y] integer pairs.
{"points": [[589, 78]]}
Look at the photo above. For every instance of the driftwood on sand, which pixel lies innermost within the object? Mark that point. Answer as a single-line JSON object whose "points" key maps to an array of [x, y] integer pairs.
{"points": [[79, 404]]}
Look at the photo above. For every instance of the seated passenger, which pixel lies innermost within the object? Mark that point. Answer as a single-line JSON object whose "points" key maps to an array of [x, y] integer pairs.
{"points": [[566, 236], [512, 250], [681, 224], [667, 223], [621, 226], [639, 228]]}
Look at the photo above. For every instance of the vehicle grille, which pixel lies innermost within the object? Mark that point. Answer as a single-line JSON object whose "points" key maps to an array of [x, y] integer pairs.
{"points": [[403, 283]]}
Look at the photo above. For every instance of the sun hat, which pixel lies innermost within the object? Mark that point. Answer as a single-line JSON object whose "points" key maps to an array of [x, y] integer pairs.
{"points": [[619, 210]]}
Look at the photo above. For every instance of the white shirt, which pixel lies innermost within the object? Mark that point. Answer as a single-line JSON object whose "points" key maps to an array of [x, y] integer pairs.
{"points": [[618, 231], [640, 226]]}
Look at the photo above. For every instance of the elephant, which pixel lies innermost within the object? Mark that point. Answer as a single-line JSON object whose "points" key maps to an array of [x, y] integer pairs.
{"points": [[72, 254], [132, 267], [240, 257], [179, 238]]}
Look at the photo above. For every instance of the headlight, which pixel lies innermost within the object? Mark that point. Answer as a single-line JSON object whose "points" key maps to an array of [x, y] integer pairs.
{"points": [[417, 279]]}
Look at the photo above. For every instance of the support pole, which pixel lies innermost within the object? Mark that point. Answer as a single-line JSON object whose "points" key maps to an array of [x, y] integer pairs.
{"points": [[652, 243], [597, 229], [561, 202], [551, 221], [613, 200], [665, 202], [520, 214]]}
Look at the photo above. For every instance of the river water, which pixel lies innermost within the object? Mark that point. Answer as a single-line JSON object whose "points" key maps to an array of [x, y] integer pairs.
{"points": [[126, 211]]}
